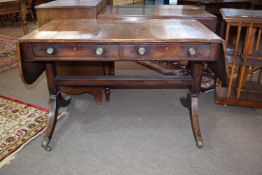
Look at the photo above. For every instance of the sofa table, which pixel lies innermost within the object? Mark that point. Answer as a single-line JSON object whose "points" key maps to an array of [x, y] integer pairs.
{"points": [[60, 9], [102, 40]]}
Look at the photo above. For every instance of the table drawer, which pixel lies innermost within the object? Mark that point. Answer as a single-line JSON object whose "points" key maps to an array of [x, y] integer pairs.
{"points": [[165, 51], [75, 50]]}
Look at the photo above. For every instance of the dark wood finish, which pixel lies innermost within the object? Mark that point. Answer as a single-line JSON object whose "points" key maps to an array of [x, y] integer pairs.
{"points": [[38, 2], [166, 51], [15, 6], [84, 52], [214, 6], [105, 31], [123, 81], [75, 50], [142, 12], [191, 101], [108, 71], [256, 4], [55, 101], [121, 35], [62, 10], [68, 9], [74, 9]]}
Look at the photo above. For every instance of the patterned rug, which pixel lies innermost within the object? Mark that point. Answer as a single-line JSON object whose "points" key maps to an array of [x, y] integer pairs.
{"points": [[180, 68], [20, 122], [8, 57]]}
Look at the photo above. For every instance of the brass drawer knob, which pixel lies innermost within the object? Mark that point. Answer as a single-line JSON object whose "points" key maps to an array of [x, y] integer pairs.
{"points": [[141, 51], [50, 50], [192, 51], [99, 51]]}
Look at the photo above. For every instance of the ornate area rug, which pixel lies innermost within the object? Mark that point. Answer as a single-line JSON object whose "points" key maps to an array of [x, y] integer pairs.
{"points": [[8, 58], [20, 122], [181, 68]]}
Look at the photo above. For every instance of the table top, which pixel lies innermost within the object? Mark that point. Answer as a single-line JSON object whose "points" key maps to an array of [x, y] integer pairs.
{"points": [[241, 14], [154, 11], [8, 1], [127, 31], [71, 4]]}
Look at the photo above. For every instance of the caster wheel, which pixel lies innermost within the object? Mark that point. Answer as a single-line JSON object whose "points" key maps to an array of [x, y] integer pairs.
{"points": [[199, 142], [45, 143]]}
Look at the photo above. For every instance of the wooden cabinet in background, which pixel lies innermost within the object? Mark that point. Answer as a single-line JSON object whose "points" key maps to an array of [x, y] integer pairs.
{"points": [[244, 59], [70, 9]]}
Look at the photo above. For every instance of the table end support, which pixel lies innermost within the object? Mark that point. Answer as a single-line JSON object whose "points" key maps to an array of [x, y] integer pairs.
{"points": [[55, 101], [191, 102]]}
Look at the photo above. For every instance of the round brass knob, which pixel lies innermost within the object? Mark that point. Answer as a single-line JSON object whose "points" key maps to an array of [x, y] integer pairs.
{"points": [[141, 51], [50, 50], [99, 51], [192, 51]]}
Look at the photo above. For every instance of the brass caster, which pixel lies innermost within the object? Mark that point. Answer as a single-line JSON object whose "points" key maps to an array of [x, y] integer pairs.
{"points": [[45, 143], [199, 142]]}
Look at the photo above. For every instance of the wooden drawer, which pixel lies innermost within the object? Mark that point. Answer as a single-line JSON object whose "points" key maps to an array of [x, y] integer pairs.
{"points": [[167, 52], [70, 51]]}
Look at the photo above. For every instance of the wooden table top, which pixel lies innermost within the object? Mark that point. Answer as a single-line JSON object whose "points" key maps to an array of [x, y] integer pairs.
{"points": [[154, 11], [71, 4], [127, 31], [9, 1], [241, 15]]}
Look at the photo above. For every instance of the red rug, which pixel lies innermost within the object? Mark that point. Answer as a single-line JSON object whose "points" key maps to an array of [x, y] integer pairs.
{"points": [[20, 122]]}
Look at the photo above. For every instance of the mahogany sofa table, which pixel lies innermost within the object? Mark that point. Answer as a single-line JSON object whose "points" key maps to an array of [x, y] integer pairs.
{"points": [[61, 9], [90, 40]]}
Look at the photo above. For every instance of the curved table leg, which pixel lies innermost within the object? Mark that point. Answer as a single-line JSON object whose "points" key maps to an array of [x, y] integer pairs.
{"points": [[191, 102], [52, 118], [194, 120], [55, 101]]}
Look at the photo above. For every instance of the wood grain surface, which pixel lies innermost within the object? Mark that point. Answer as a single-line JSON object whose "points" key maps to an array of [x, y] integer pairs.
{"points": [[130, 31]]}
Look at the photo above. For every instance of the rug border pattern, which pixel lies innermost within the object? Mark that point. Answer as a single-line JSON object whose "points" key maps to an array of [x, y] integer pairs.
{"points": [[5, 160]]}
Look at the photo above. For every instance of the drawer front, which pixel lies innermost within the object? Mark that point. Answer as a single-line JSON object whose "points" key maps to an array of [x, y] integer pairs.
{"points": [[75, 50], [167, 52]]}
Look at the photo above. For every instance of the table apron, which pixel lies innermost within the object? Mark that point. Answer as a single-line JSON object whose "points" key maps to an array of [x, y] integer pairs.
{"points": [[121, 52]]}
